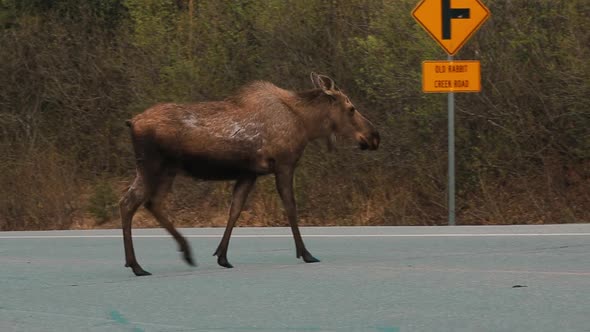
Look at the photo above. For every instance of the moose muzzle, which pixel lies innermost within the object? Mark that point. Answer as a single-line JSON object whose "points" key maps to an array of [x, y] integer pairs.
{"points": [[369, 142]]}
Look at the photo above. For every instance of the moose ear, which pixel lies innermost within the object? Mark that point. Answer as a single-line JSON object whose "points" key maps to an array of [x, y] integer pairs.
{"points": [[315, 80], [322, 82]]}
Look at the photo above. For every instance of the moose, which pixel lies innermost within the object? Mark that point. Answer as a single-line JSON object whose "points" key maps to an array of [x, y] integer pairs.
{"points": [[261, 130]]}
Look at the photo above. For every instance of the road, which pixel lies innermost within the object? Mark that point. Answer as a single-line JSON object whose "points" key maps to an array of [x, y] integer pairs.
{"points": [[387, 279]]}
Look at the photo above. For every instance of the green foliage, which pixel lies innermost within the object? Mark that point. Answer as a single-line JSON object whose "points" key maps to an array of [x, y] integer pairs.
{"points": [[103, 201], [72, 72], [153, 23]]}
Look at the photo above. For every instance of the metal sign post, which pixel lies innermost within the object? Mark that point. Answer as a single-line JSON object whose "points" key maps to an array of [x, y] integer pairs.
{"points": [[451, 27], [451, 148]]}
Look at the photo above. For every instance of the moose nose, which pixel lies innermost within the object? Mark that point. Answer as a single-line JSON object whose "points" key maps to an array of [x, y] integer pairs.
{"points": [[370, 142]]}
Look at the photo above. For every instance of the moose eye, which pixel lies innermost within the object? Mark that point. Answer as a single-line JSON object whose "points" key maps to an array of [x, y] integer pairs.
{"points": [[351, 110]]}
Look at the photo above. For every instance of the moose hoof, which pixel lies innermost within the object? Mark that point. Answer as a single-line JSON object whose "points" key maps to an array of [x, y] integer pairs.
{"points": [[222, 261], [187, 255], [308, 258], [188, 258], [138, 271]]}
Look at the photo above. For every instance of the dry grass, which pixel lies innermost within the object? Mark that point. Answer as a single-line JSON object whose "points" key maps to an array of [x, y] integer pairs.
{"points": [[525, 200], [39, 191]]}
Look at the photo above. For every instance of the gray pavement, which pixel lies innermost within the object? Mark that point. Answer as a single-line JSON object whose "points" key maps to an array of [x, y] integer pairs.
{"points": [[387, 279]]}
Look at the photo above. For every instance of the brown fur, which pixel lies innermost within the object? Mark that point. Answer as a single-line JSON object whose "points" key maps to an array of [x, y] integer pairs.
{"points": [[263, 129]]}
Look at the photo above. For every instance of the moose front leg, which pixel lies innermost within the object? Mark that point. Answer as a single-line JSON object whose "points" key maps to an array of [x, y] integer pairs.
{"points": [[284, 183], [242, 188]]}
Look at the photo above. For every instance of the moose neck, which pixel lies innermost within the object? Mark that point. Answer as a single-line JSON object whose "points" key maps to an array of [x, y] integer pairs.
{"points": [[312, 107]]}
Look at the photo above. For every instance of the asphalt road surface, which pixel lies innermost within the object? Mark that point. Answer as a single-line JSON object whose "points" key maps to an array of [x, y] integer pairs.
{"points": [[386, 279]]}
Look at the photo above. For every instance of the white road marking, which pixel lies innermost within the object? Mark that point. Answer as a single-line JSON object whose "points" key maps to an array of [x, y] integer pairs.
{"points": [[156, 236]]}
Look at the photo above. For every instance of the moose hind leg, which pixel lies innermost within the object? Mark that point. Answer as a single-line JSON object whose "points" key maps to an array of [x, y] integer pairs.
{"points": [[156, 205], [242, 188], [128, 205], [284, 183]]}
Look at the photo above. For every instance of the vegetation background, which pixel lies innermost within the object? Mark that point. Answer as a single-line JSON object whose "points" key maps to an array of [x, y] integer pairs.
{"points": [[72, 71]]}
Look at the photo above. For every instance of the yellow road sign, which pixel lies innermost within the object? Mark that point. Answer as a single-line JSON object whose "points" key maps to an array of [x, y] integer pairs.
{"points": [[451, 22], [451, 76]]}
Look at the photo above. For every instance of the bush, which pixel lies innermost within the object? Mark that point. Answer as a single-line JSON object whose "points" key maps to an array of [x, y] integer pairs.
{"points": [[103, 202]]}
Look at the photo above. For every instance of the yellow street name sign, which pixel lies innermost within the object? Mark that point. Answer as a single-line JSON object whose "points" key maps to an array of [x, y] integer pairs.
{"points": [[451, 76]]}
